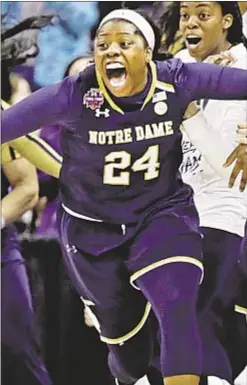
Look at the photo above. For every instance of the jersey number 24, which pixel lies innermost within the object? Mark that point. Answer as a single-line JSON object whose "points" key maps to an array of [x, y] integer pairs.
{"points": [[121, 160]]}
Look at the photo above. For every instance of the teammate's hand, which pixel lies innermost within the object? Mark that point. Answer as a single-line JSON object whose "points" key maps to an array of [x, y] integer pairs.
{"points": [[240, 156], [39, 208], [223, 59], [191, 110], [242, 134]]}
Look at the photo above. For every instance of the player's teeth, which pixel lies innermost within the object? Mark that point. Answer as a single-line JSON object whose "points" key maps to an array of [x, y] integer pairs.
{"points": [[113, 66]]}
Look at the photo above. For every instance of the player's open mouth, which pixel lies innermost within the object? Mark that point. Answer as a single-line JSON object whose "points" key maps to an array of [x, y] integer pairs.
{"points": [[116, 74], [193, 41]]}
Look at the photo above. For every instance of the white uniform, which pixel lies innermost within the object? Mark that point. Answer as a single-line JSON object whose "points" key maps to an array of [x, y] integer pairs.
{"points": [[219, 207], [245, 24]]}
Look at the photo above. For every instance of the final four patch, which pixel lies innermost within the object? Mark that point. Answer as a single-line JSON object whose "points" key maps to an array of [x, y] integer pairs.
{"points": [[93, 99]]}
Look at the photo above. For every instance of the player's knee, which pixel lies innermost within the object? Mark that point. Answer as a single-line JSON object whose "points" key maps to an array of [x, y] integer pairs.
{"points": [[172, 291]]}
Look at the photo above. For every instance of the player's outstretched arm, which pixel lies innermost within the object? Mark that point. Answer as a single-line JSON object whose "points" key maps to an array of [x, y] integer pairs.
{"points": [[49, 105], [209, 81], [36, 151]]}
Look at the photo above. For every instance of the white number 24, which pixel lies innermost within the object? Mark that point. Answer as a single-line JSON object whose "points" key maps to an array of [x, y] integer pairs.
{"points": [[120, 160]]}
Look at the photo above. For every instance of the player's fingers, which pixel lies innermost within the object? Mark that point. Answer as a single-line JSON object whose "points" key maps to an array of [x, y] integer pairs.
{"points": [[227, 55], [214, 59], [39, 208], [242, 130], [243, 182], [225, 63], [242, 126], [231, 158], [242, 139], [236, 170]]}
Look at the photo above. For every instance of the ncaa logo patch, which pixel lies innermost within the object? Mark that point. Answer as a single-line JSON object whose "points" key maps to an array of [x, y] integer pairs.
{"points": [[160, 108], [93, 99]]}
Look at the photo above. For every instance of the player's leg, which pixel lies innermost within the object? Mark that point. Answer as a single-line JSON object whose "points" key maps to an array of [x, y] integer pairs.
{"points": [[120, 313], [217, 293], [172, 291], [236, 323], [21, 359], [166, 262]]}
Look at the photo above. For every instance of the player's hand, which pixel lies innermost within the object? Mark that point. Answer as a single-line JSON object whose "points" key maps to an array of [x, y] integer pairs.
{"points": [[223, 59], [191, 110], [242, 133], [39, 208], [239, 156]]}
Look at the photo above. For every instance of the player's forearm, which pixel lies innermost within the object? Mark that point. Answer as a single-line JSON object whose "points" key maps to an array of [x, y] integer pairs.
{"points": [[39, 153], [21, 199], [208, 81], [46, 106], [209, 143]]}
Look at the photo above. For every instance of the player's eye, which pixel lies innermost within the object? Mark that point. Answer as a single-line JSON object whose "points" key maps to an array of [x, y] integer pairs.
{"points": [[204, 16], [125, 44], [184, 16], [102, 46]]}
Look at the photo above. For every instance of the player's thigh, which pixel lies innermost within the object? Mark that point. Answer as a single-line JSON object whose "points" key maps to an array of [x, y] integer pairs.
{"points": [[169, 238], [117, 310]]}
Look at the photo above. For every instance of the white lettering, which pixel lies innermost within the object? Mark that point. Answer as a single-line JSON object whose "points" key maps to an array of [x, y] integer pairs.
{"points": [[93, 137], [169, 129], [127, 135], [139, 133]]}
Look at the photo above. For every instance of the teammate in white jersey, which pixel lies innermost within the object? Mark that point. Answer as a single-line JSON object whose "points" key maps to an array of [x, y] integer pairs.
{"points": [[210, 28]]}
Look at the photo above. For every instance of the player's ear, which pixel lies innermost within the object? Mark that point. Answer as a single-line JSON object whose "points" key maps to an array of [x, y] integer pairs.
{"points": [[227, 21], [149, 54]]}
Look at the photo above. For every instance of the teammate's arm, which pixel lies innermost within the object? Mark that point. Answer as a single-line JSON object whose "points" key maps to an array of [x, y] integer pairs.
{"points": [[24, 194], [39, 153]]}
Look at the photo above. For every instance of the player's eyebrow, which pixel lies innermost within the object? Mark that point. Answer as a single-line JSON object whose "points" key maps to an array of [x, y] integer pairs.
{"points": [[205, 4], [119, 33]]}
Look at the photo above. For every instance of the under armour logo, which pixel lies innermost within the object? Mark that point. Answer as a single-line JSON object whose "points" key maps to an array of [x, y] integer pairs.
{"points": [[105, 113], [71, 249]]}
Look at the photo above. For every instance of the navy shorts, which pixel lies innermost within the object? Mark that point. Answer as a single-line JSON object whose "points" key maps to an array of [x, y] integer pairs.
{"points": [[104, 260]]}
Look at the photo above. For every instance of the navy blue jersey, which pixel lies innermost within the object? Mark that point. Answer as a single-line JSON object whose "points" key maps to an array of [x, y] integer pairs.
{"points": [[121, 156]]}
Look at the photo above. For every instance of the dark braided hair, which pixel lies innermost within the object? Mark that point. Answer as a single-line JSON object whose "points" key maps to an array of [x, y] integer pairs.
{"points": [[17, 47], [170, 22]]}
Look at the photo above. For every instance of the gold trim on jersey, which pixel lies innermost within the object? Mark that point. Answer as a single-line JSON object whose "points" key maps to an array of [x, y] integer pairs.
{"points": [[163, 262], [132, 333], [240, 309], [4, 104], [149, 96], [165, 86], [8, 154]]}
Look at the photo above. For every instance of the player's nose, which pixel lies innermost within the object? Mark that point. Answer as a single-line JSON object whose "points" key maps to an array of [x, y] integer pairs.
{"points": [[192, 22], [113, 49]]}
